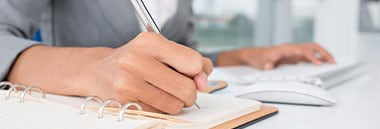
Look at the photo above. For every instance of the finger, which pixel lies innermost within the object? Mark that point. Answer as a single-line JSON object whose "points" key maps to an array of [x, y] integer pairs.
{"points": [[290, 54], [160, 100], [265, 64], [185, 60], [252, 62], [256, 64], [325, 54], [274, 59], [201, 80], [259, 61], [163, 77], [181, 58], [147, 93], [310, 56], [207, 66], [269, 66], [290, 60]]}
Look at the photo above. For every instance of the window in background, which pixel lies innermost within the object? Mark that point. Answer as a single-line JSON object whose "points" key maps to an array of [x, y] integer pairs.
{"points": [[303, 12], [373, 8], [224, 24], [369, 16]]}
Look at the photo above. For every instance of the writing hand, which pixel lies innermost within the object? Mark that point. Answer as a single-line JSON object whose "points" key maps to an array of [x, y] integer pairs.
{"points": [[160, 75]]}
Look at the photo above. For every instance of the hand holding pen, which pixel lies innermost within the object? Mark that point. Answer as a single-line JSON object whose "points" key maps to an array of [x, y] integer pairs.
{"points": [[150, 25]]}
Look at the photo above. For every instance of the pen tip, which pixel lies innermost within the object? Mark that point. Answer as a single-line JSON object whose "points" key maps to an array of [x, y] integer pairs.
{"points": [[197, 105]]}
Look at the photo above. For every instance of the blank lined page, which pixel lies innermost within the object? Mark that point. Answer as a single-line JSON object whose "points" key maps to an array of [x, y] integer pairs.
{"points": [[216, 109]]}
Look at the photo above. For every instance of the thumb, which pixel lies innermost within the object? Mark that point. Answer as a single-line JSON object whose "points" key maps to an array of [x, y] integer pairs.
{"points": [[201, 81]]}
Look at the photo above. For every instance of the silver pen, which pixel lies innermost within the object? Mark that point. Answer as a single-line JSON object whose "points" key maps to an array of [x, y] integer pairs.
{"points": [[147, 20]]}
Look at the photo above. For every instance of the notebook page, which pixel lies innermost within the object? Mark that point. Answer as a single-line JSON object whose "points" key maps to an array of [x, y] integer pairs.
{"points": [[218, 107], [215, 109], [31, 114]]}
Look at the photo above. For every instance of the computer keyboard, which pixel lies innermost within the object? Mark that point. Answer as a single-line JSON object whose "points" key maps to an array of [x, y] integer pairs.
{"points": [[326, 75]]}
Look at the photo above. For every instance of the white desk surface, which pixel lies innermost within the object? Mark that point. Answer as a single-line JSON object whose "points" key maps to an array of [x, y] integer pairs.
{"points": [[358, 107]]}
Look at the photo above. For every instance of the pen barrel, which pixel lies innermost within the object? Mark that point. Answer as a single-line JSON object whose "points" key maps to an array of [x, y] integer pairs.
{"points": [[145, 16]]}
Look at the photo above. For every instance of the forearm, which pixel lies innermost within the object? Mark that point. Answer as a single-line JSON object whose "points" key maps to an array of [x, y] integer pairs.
{"points": [[54, 69]]}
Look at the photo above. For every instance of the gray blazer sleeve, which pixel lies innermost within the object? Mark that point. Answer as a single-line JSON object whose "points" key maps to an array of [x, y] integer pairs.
{"points": [[19, 20], [184, 28]]}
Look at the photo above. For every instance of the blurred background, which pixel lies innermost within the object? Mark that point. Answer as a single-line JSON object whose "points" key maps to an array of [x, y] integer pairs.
{"points": [[347, 28]]}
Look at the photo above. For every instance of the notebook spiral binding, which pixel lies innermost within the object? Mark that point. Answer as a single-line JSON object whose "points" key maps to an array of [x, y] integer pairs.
{"points": [[13, 88], [103, 105], [26, 89]]}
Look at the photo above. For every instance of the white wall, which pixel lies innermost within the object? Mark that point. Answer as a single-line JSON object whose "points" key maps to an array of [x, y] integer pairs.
{"points": [[337, 26]]}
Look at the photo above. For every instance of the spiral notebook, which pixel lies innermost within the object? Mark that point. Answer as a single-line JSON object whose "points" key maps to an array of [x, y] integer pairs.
{"points": [[29, 107]]}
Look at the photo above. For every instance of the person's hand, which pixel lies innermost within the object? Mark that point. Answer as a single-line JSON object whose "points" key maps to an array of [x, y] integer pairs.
{"points": [[270, 57], [162, 76]]}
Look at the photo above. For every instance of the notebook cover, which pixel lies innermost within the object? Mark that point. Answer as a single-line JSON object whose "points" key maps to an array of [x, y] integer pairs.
{"points": [[264, 112]]}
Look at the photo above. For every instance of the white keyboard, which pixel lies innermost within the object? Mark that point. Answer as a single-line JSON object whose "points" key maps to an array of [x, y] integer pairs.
{"points": [[326, 76]]}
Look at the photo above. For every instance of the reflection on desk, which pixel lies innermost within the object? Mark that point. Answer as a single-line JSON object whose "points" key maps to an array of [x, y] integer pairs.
{"points": [[302, 83], [357, 109]]}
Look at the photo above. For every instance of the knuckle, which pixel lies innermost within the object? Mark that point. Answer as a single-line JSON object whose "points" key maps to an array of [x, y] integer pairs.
{"points": [[147, 39], [208, 61], [125, 62], [196, 64], [146, 35], [121, 91], [119, 87], [272, 58], [140, 41]]}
